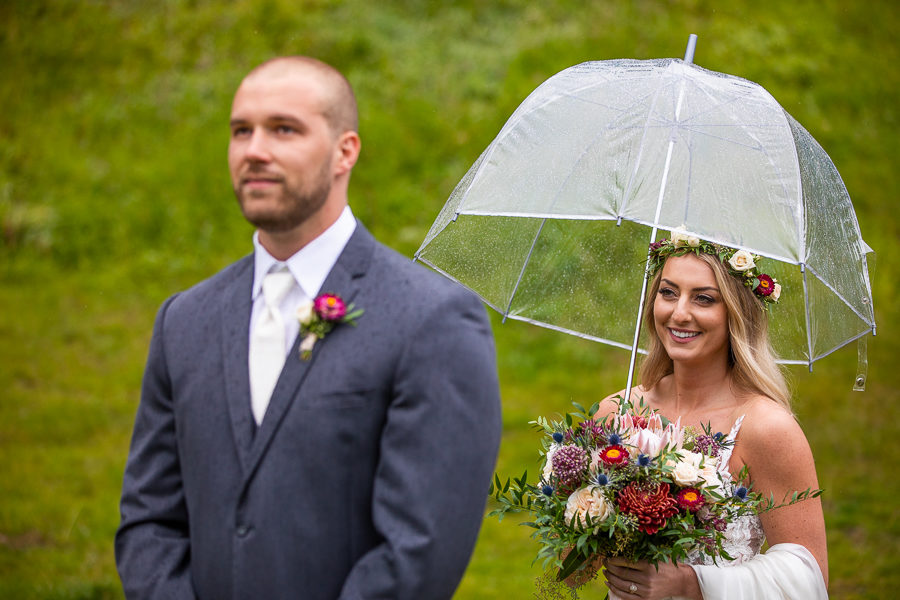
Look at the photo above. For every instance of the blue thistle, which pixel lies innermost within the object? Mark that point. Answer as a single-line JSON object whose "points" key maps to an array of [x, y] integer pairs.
{"points": [[741, 493], [602, 479], [548, 491], [557, 437], [643, 460], [718, 436], [615, 439]]}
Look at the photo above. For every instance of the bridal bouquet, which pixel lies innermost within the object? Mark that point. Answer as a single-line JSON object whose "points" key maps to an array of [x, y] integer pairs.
{"points": [[632, 485]]}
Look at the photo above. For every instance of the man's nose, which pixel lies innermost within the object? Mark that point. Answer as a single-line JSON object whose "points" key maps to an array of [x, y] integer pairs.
{"points": [[257, 147]]}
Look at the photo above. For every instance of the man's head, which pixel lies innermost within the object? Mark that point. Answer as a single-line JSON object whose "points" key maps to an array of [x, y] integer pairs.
{"points": [[293, 145]]}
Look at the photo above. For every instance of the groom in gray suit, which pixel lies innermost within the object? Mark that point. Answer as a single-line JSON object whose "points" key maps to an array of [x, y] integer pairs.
{"points": [[358, 469]]}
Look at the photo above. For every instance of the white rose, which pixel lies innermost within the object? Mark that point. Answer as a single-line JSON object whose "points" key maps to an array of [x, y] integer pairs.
{"points": [[588, 501], [710, 475], [679, 238], [776, 292], [741, 261], [305, 312], [687, 471], [548, 466]]}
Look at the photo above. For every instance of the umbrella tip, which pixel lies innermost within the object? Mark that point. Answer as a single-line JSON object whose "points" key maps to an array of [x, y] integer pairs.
{"points": [[691, 45]]}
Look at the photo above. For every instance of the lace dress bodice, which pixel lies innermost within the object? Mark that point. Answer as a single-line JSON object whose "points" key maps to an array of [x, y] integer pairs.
{"points": [[744, 536]]}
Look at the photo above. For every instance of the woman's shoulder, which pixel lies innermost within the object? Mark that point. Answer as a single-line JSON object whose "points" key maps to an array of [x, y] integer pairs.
{"points": [[762, 414], [768, 428]]}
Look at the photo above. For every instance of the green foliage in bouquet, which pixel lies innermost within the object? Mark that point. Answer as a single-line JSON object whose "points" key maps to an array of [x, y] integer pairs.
{"points": [[631, 484]]}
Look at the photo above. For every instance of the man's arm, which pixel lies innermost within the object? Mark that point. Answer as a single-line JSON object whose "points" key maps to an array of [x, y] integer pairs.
{"points": [[438, 452], [152, 546]]}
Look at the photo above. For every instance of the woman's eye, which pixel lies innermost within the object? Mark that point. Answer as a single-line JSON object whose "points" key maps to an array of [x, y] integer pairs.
{"points": [[666, 292], [704, 299]]}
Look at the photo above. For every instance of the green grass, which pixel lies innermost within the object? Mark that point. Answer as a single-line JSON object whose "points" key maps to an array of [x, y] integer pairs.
{"points": [[114, 194]]}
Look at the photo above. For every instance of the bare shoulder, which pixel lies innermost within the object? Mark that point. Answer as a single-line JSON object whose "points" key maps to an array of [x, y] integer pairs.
{"points": [[773, 444], [766, 419]]}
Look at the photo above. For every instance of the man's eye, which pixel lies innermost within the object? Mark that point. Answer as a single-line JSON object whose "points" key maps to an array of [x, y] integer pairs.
{"points": [[285, 129], [240, 131]]}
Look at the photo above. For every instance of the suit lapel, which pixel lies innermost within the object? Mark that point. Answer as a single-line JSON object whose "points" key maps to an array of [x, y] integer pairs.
{"points": [[343, 280], [236, 308]]}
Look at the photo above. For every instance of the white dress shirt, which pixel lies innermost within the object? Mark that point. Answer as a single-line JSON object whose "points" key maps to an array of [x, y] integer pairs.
{"points": [[309, 266]]}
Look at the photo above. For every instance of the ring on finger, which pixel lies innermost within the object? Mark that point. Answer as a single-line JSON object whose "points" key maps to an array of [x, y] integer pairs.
{"points": [[632, 588]]}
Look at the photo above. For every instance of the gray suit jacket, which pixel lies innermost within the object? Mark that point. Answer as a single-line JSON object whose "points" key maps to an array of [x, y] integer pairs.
{"points": [[369, 474]]}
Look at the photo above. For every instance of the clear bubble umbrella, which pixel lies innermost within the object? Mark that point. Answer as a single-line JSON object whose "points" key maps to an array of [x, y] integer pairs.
{"points": [[551, 224]]}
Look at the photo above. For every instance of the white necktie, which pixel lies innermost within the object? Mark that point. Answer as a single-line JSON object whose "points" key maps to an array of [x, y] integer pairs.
{"points": [[267, 342]]}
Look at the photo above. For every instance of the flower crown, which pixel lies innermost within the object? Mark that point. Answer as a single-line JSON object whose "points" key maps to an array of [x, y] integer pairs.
{"points": [[739, 263]]}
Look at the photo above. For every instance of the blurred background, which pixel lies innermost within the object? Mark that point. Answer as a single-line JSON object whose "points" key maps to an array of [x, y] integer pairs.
{"points": [[114, 194]]}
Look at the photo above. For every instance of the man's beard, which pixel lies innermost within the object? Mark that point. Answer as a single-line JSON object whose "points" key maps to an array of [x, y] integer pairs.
{"points": [[294, 206]]}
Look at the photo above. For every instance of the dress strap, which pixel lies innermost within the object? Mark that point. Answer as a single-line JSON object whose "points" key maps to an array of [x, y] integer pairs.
{"points": [[725, 456]]}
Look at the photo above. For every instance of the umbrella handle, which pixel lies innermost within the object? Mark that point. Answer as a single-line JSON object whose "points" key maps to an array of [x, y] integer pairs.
{"points": [[689, 52]]}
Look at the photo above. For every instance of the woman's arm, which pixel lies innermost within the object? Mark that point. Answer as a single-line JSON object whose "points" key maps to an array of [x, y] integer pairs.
{"points": [[773, 446]]}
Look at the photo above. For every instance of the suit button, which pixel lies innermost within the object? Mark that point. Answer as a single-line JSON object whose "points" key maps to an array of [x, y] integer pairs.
{"points": [[243, 530]]}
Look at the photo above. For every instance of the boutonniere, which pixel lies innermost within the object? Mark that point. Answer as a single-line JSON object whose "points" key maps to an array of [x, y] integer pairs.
{"points": [[318, 317]]}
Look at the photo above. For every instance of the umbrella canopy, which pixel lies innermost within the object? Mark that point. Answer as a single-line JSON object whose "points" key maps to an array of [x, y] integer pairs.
{"points": [[551, 224]]}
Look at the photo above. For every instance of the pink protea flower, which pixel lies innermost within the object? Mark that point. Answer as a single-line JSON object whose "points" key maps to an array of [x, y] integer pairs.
{"points": [[330, 307]]}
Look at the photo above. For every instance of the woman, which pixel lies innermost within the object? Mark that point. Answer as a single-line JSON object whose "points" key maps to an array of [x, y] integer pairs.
{"points": [[710, 361]]}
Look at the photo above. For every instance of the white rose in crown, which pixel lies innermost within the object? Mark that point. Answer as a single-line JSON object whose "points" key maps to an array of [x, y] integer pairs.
{"points": [[680, 238], [305, 312], [776, 292], [741, 261]]}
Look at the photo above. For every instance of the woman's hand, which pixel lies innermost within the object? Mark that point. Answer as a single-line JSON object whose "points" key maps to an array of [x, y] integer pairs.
{"points": [[630, 581]]}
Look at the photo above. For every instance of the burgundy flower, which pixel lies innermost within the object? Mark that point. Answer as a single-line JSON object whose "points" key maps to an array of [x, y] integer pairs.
{"points": [[706, 444], [690, 499], [569, 464], [766, 285], [330, 307], [639, 421], [650, 504], [590, 429]]}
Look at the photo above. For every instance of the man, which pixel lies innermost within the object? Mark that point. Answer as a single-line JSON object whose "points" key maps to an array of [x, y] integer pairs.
{"points": [[363, 473]]}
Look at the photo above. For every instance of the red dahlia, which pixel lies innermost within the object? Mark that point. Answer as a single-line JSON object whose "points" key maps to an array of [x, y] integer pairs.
{"points": [[650, 504], [614, 455], [690, 499]]}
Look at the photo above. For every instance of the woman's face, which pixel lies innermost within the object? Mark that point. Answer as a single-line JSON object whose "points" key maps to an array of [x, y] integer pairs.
{"points": [[689, 312]]}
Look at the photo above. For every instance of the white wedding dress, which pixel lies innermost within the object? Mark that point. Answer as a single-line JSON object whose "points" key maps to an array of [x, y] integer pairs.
{"points": [[785, 571]]}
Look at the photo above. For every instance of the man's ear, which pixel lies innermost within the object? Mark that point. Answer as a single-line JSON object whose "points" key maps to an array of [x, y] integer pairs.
{"points": [[346, 152]]}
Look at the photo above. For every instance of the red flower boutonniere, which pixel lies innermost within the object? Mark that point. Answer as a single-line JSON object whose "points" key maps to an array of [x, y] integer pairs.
{"points": [[319, 316]]}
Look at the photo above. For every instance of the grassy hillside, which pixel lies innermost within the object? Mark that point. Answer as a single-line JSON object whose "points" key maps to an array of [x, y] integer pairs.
{"points": [[114, 194]]}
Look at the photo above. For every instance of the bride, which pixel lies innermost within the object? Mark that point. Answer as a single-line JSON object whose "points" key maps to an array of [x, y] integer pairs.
{"points": [[710, 361]]}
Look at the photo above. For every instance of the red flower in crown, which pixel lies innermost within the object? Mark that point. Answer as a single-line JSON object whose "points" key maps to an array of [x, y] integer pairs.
{"points": [[766, 285], [330, 307]]}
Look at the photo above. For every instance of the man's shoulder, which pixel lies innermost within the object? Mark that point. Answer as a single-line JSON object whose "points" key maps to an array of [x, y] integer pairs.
{"points": [[413, 277]]}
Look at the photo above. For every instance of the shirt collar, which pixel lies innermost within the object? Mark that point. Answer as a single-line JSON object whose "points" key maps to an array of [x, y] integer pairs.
{"points": [[313, 262]]}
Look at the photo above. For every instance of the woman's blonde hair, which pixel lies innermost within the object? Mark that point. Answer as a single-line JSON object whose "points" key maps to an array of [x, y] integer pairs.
{"points": [[751, 358]]}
